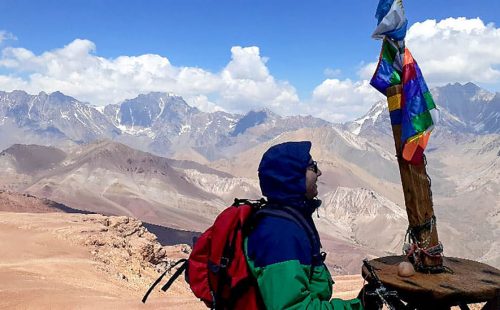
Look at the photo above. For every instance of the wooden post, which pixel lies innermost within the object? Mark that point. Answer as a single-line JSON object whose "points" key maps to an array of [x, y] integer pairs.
{"points": [[417, 193]]}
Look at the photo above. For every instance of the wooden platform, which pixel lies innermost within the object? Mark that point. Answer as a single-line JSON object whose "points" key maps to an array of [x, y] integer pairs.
{"points": [[469, 282]]}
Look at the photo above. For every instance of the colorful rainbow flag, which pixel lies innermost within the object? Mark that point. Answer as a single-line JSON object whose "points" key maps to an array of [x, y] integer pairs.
{"points": [[410, 105], [418, 111], [413, 108], [389, 73]]}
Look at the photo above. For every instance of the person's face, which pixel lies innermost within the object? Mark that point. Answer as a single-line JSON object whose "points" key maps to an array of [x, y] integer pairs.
{"points": [[312, 174]]}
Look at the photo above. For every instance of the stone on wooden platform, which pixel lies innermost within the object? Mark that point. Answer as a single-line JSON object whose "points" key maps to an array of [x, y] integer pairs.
{"points": [[469, 282]]}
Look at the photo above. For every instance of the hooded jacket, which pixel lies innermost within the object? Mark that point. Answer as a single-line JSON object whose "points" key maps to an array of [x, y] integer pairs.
{"points": [[279, 252]]}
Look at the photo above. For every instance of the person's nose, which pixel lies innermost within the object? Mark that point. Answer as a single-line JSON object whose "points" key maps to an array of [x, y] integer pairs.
{"points": [[319, 172]]}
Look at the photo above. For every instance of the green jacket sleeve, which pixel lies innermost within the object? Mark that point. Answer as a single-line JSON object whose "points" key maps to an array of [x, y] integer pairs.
{"points": [[289, 285]]}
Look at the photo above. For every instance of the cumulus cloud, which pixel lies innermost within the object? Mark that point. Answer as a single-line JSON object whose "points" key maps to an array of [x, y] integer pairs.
{"points": [[457, 50], [453, 50], [341, 100], [75, 70], [247, 83], [203, 103]]}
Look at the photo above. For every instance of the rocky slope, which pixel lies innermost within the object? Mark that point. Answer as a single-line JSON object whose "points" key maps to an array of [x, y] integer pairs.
{"points": [[60, 261]]}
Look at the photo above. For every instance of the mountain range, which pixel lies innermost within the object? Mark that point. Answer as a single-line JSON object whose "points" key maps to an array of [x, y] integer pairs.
{"points": [[113, 160]]}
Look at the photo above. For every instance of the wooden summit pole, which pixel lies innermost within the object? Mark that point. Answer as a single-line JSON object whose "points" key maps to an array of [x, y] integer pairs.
{"points": [[418, 199]]}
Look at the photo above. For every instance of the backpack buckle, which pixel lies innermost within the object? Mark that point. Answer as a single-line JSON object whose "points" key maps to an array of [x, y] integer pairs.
{"points": [[323, 256], [224, 262]]}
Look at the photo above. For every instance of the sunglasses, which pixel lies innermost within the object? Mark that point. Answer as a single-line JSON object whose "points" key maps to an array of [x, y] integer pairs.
{"points": [[313, 166]]}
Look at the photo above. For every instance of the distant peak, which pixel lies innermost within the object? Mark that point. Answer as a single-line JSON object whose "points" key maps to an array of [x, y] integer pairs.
{"points": [[251, 119], [60, 96], [470, 84], [57, 94], [265, 112], [18, 91], [471, 87]]}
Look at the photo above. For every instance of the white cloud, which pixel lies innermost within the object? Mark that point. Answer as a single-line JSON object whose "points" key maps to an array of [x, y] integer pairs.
{"points": [[457, 50], [75, 70], [453, 50], [203, 103], [247, 84], [341, 100], [246, 64], [4, 35], [366, 71]]}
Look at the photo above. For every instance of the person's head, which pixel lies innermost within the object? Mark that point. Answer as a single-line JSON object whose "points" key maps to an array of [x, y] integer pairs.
{"points": [[312, 174], [288, 174]]}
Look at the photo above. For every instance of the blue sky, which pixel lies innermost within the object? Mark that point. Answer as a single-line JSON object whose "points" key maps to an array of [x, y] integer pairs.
{"points": [[303, 49]]}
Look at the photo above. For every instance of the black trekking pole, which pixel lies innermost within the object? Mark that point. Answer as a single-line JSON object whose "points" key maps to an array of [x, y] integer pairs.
{"points": [[388, 297], [170, 281]]}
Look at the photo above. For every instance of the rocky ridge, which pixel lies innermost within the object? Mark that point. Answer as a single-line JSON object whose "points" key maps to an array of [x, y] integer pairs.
{"points": [[121, 246], [125, 248]]}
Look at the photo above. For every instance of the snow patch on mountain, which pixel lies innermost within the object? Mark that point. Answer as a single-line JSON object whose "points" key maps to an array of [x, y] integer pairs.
{"points": [[99, 108], [138, 131], [367, 120], [184, 128]]}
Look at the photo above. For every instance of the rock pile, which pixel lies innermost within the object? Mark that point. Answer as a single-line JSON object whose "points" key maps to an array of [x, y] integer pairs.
{"points": [[126, 249]]}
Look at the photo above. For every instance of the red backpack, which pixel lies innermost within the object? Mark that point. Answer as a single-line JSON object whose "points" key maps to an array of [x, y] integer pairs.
{"points": [[217, 270]]}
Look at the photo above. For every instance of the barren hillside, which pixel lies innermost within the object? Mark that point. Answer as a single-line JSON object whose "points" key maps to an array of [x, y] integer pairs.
{"points": [[62, 261]]}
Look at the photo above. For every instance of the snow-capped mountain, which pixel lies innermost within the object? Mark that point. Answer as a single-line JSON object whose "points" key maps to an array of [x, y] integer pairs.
{"points": [[55, 115], [475, 109], [163, 123], [168, 123], [376, 119], [464, 109], [169, 126]]}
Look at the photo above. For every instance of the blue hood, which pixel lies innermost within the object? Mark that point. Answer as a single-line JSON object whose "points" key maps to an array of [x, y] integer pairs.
{"points": [[282, 173]]}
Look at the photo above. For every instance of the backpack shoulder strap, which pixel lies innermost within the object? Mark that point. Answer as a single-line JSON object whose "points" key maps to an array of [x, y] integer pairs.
{"points": [[295, 216], [311, 232]]}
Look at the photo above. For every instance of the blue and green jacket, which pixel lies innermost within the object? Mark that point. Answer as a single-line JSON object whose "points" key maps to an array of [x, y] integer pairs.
{"points": [[280, 252]]}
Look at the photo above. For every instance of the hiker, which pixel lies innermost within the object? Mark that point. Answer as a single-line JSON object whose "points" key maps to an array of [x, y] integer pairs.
{"points": [[282, 255]]}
